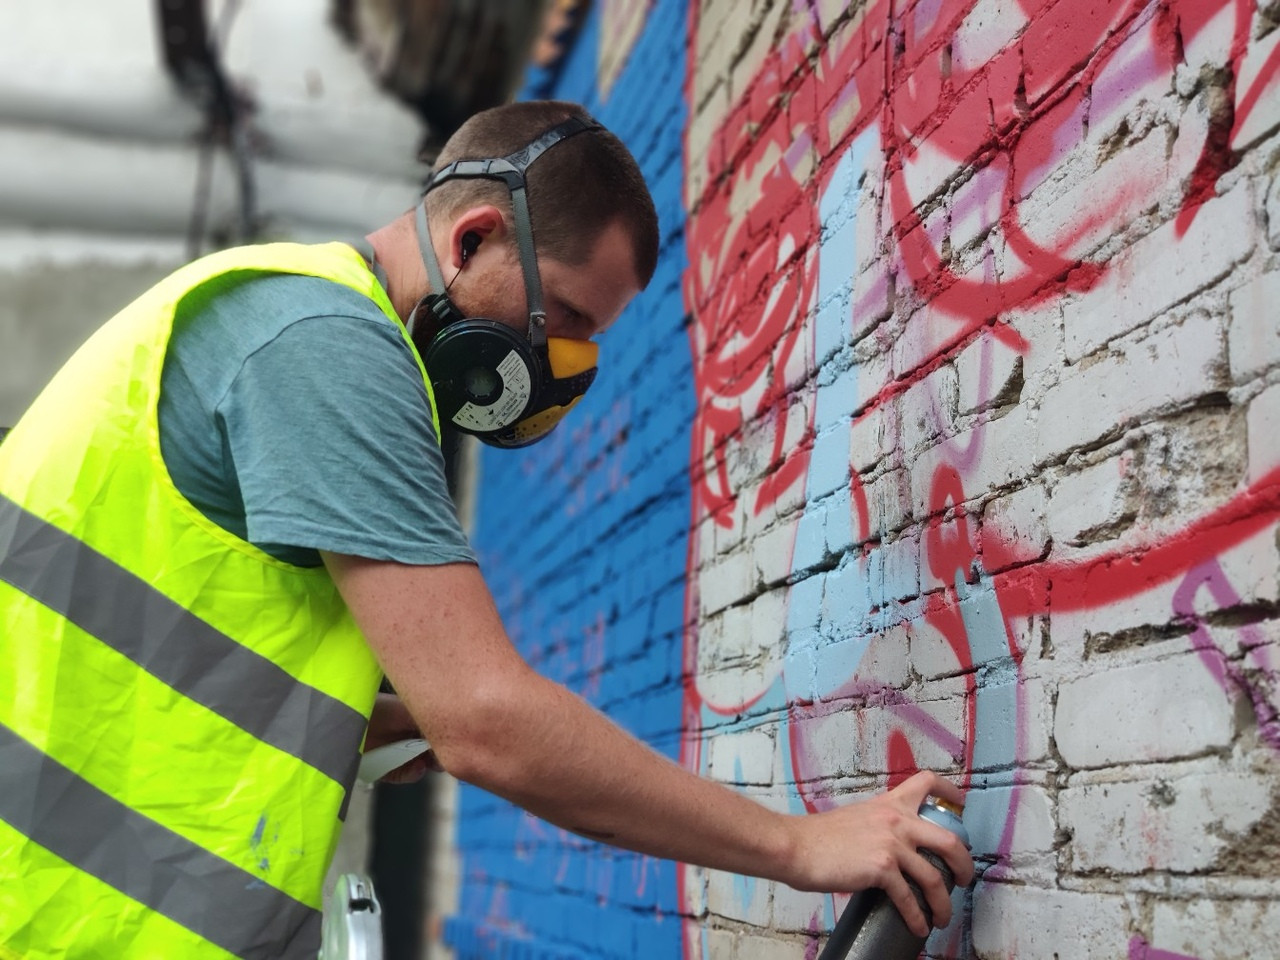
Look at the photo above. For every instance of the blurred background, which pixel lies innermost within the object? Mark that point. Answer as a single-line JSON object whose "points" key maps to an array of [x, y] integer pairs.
{"points": [[138, 134]]}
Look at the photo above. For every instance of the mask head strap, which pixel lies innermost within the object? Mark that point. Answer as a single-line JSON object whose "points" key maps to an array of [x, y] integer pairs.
{"points": [[511, 171]]}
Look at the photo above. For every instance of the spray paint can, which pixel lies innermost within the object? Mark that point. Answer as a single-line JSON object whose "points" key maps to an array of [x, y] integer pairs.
{"points": [[871, 928]]}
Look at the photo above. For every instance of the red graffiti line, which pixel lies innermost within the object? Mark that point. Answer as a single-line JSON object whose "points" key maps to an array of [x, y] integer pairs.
{"points": [[751, 234]]}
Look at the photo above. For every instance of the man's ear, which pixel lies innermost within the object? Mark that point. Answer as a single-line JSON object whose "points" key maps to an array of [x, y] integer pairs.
{"points": [[472, 230]]}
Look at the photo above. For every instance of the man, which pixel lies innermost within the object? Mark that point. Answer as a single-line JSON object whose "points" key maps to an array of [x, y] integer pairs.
{"points": [[226, 518]]}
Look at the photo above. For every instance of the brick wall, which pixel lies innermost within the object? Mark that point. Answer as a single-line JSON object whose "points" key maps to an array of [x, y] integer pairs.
{"points": [[948, 437]]}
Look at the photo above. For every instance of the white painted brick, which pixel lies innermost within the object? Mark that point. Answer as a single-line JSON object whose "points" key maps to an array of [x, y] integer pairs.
{"points": [[725, 580], [734, 662], [1015, 528], [1264, 433], [1258, 64], [1253, 337], [719, 944], [1016, 922], [932, 655], [869, 440], [771, 553], [928, 331], [1193, 129], [1210, 46], [744, 757], [886, 659], [872, 370], [926, 171], [1072, 630], [767, 619], [900, 569], [871, 296], [1154, 711], [989, 27], [1131, 75], [1167, 368], [933, 728], [927, 409], [989, 456], [845, 596], [1217, 929], [977, 204], [1103, 495], [1179, 824], [1160, 270], [867, 226], [985, 373], [1273, 213], [888, 503], [1253, 568], [793, 910], [1040, 327], [695, 890], [1066, 213], [833, 742], [748, 65]]}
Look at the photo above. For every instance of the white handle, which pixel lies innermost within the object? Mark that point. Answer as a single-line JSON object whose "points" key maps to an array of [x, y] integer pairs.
{"points": [[377, 763]]}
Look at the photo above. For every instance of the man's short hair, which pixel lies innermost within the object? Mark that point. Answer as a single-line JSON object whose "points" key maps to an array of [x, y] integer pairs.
{"points": [[576, 189]]}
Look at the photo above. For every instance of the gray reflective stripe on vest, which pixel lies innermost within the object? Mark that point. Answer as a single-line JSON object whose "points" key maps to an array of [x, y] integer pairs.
{"points": [[126, 613], [72, 818]]}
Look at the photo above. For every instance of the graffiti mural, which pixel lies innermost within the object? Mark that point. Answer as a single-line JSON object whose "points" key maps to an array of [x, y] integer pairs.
{"points": [[582, 539], [899, 230], [944, 438]]}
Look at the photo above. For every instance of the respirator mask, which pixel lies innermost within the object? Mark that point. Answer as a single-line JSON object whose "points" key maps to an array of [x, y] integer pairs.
{"points": [[507, 388]]}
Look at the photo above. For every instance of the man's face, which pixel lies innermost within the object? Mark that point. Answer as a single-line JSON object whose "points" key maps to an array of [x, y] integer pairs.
{"points": [[580, 301]]}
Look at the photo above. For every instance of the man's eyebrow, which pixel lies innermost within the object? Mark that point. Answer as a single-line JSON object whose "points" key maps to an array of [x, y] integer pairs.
{"points": [[570, 308]]}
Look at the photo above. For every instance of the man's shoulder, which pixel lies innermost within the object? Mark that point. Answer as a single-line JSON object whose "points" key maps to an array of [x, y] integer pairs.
{"points": [[239, 314], [289, 297]]}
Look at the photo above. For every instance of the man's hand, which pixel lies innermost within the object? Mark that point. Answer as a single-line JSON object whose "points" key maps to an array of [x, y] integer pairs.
{"points": [[873, 843], [389, 723]]}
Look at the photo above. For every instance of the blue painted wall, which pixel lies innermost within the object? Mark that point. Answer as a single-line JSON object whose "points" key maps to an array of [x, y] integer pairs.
{"points": [[583, 540]]}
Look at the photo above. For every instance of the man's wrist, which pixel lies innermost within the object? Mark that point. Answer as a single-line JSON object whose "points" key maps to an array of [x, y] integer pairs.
{"points": [[782, 845]]}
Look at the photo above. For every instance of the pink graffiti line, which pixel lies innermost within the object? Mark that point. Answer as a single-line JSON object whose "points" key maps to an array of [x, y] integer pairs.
{"points": [[1139, 949], [1229, 675]]}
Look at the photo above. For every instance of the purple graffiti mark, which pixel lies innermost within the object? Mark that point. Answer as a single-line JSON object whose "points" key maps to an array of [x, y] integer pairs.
{"points": [[1229, 675], [1139, 949]]}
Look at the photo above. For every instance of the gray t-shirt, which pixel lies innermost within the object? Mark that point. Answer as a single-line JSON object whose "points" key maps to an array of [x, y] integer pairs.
{"points": [[293, 414]]}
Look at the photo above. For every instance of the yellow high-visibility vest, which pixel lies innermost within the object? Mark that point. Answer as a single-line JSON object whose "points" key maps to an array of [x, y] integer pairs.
{"points": [[180, 713]]}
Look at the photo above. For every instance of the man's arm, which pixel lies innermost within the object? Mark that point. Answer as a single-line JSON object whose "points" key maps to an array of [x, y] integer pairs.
{"points": [[496, 723]]}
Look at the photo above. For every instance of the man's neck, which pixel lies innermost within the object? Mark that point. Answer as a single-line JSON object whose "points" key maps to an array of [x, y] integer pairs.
{"points": [[396, 248]]}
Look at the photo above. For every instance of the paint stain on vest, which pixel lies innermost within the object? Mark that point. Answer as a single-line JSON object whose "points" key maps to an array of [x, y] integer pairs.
{"points": [[261, 844]]}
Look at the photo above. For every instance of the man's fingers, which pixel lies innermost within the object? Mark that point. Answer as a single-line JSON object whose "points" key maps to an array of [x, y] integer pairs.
{"points": [[949, 847], [904, 898], [929, 879], [410, 772]]}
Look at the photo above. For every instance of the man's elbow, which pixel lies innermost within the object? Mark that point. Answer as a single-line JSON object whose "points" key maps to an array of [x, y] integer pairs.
{"points": [[487, 740]]}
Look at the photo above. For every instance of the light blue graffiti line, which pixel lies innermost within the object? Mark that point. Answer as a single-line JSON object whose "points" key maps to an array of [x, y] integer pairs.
{"points": [[996, 697], [830, 607]]}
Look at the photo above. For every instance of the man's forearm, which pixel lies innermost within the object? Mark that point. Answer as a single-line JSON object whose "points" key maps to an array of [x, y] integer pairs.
{"points": [[550, 752]]}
